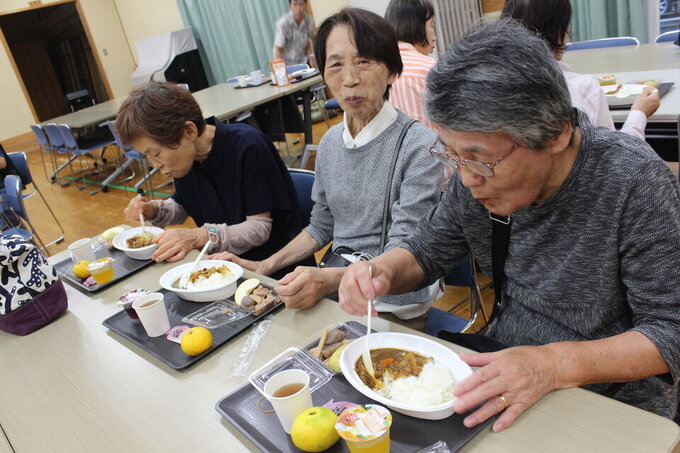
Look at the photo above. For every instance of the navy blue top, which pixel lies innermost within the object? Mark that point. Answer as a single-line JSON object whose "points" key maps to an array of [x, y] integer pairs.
{"points": [[243, 175]]}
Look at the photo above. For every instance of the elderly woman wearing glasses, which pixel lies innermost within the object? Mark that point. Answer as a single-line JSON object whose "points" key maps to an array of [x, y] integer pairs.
{"points": [[358, 53], [589, 294]]}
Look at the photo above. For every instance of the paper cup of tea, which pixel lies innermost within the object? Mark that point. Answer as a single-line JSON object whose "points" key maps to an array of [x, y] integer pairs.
{"points": [[288, 392], [81, 250], [151, 311]]}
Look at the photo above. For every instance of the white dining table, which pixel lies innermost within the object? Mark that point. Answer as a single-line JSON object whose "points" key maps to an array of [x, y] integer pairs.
{"points": [[223, 101], [75, 386], [659, 62]]}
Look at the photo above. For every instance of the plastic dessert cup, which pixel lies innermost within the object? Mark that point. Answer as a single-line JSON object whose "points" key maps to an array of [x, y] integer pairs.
{"points": [[125, 301], [366, 429], [102, 270]]}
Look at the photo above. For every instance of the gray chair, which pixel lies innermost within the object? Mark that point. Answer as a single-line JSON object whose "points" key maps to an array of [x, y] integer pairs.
{"points": [[604, 42]]}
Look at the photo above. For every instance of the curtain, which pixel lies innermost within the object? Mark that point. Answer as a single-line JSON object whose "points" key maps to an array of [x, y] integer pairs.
{"points": [[595, 19], [234, 37]]}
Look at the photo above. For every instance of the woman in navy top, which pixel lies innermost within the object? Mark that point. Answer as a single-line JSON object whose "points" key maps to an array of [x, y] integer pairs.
{"points": [[228, 177]]}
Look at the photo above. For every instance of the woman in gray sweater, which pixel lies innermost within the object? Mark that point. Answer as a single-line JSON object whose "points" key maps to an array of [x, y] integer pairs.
{"points": [[358, 53], [590, 293]]}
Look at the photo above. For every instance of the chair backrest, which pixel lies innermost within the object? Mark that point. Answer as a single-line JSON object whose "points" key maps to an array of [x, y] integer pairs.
{"points": [[669, 36], [462, 275], [20, 163], [112, 127], [56, 138], [296, 67], [78, 100], [13, 195], [183, 85], [40, 136], [303, 180], [69, 138], [604, 42]]}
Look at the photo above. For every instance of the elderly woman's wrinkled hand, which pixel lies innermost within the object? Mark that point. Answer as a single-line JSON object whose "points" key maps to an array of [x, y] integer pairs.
{"points": [[138, 205], [259, 267], [174, 244], [510, 381], [362, 281], [305, 286]]}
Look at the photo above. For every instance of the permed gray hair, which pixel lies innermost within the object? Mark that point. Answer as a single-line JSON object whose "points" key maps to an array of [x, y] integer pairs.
{"points": [[500, 78]]}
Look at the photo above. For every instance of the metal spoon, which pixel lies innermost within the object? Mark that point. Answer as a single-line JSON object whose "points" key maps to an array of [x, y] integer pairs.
{"points": [[141, 220], [366, 355], [184, 281]]}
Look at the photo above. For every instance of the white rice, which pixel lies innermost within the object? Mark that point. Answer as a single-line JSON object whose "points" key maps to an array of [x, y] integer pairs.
{"points": [[213, 281], [434, 386]]}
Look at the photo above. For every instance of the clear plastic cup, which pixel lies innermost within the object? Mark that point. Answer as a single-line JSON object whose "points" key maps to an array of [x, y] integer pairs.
{"points": [[102, 270], [366, 429]]}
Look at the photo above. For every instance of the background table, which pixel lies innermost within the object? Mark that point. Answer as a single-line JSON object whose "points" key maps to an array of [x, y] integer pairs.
{"points": [[222, 101], [73, 386], [610, 60]]}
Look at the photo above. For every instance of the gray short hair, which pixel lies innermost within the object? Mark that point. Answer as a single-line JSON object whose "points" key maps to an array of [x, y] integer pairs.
{"points": [[500, 78]]}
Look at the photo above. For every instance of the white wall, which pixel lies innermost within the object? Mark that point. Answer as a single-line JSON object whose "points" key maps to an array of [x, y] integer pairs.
{"points": [[114, 26], [324, 8], [146, 18], [377, 6]]}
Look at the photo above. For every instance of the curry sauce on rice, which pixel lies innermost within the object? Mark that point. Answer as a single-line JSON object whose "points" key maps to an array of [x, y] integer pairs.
{"points": [[209, 277], [407, 377]]}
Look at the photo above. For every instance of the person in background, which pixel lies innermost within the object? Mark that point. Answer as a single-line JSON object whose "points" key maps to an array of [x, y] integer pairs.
{"points": [[228, 177], [550, 19], [7, 168], [590, 292], [293, 36], [358, 52], [413, 23]]}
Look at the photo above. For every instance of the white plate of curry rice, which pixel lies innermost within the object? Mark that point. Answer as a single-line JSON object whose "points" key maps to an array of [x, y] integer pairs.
{"points": [[426, 373]]}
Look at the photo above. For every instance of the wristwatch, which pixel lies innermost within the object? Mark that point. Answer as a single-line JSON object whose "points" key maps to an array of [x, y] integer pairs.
{"points": [[212, 233]]}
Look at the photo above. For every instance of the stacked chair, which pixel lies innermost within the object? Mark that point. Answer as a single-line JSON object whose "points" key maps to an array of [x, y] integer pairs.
{"points": [[131, 156], [78, 148]]}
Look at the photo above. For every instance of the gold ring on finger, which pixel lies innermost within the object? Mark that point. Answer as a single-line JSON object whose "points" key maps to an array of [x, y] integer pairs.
{"points": [[504, 401]]}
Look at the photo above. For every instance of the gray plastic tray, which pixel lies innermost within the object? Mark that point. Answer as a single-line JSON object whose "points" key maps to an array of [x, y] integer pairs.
{"points": [[167, 351], [664, 88], [407, 434], [123, 267]]}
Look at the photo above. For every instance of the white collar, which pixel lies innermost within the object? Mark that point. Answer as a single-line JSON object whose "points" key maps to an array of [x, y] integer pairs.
{"points": [[384, 119]]}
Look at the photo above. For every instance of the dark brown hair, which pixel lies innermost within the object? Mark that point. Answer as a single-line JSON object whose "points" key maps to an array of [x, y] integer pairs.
{"points": [[159, 111], [548, 18], [408, 18], [373, 36]]}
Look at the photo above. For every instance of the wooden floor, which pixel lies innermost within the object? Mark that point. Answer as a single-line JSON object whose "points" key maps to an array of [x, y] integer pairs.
{"points": [[84, 215]]}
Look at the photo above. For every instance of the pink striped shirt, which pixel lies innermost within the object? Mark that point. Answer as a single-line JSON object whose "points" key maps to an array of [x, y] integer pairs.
{"points": [[407, 91]]}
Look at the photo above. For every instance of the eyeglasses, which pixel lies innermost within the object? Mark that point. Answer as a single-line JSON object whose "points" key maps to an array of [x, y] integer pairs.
{"points": [[485, 169]]}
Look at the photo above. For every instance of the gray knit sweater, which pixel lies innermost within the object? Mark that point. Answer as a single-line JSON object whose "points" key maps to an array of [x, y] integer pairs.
{"points": [[349, 191], [600, 257]]}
